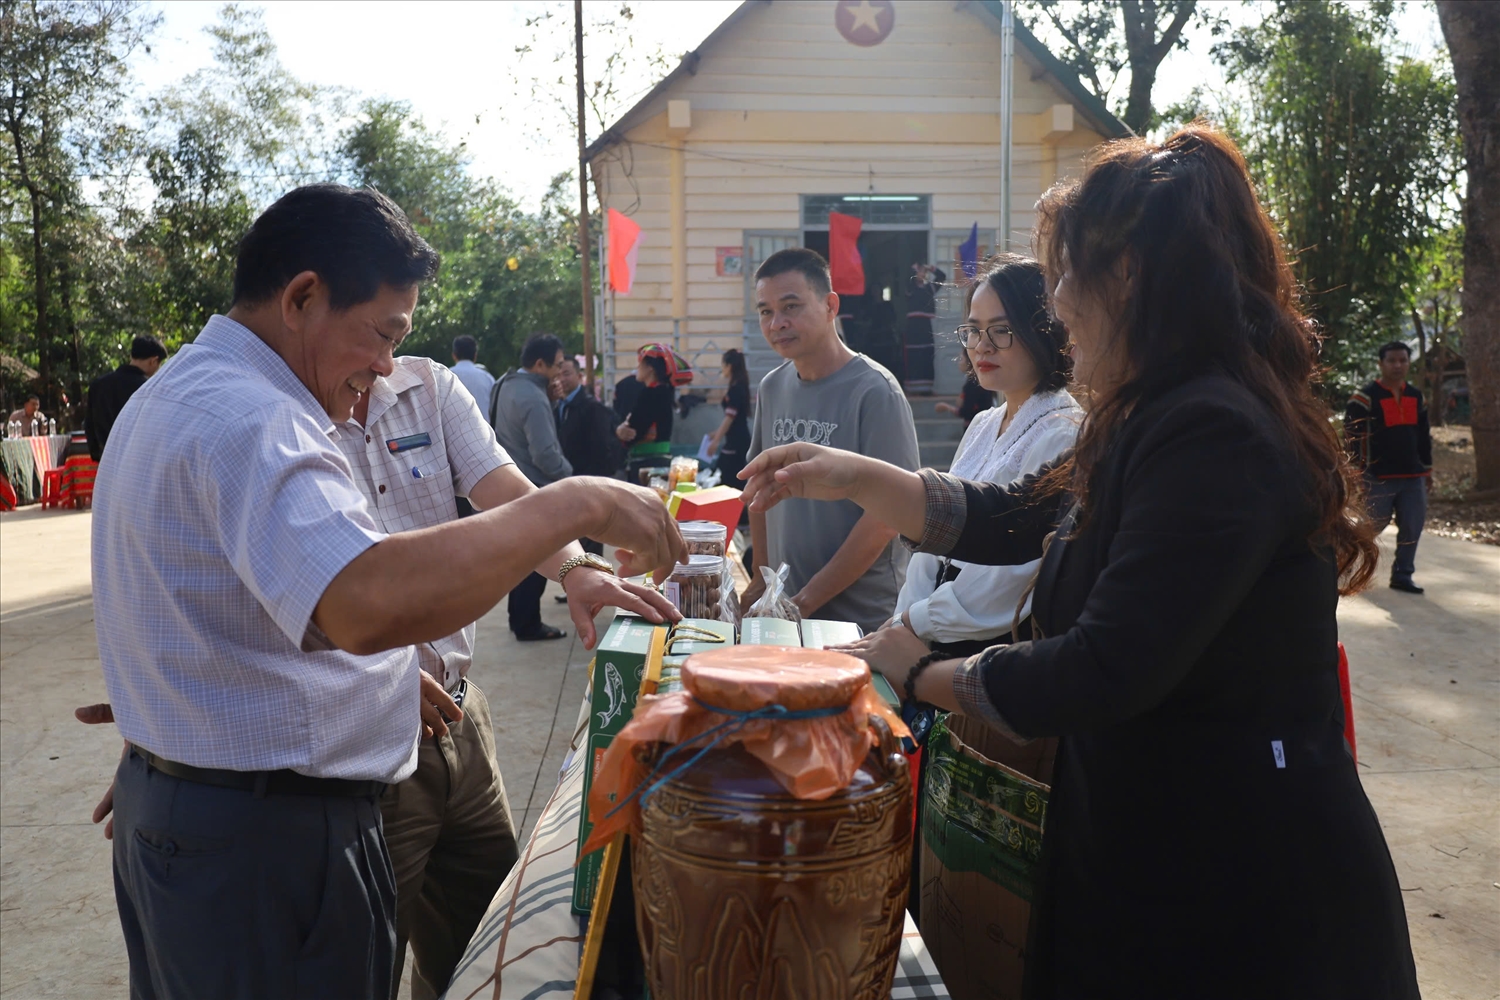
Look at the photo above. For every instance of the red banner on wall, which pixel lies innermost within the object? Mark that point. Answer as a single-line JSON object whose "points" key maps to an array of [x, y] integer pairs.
{"points": [[843, 254]]}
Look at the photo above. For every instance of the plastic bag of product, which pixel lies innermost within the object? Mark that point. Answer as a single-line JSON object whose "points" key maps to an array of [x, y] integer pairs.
{"points": [[729, 601], [775, 602]]}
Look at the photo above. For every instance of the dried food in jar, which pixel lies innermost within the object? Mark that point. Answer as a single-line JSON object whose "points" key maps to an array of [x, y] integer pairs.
{"points": [[704, 538], [693, 587]]}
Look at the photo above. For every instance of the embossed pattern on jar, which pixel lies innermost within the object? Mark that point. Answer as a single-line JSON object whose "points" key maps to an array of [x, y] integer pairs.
{"points": [[744, 891]]}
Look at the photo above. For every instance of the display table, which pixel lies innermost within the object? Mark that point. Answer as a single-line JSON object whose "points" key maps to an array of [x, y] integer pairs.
{"points": [[25, 460], [530, 941]]}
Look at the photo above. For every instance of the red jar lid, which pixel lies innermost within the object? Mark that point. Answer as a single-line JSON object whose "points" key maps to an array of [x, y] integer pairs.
{"points": [[746, 678]]}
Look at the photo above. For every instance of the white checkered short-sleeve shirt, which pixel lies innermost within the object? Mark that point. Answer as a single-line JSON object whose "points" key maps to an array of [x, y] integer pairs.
{"points": [[221, 513], [423, 443]]}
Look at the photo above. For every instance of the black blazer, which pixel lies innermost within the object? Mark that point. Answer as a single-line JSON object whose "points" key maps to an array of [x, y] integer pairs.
{"points": [[1207, 834], [108, 395], [587, 435]]}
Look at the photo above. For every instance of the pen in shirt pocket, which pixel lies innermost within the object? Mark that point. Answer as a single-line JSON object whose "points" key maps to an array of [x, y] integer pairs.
{"points": [[416, 473]]}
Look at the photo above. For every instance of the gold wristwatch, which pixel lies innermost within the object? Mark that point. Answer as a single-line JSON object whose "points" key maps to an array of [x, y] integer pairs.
{"points": [[587, 559]]}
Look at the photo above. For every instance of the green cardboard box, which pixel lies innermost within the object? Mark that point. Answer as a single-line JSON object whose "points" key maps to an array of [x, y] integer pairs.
{"points": [[769, 632], [619, 665], [682, 643], [817, 633]]}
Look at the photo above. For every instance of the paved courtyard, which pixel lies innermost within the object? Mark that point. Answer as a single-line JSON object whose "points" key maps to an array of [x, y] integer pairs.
{"points": [[1426, 676]]}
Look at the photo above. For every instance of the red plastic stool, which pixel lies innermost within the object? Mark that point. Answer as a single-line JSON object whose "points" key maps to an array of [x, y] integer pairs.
{"points": [[52, 491]]}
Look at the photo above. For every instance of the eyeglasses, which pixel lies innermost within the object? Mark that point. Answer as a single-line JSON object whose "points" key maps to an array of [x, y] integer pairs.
{"points": [[1000, 337]]}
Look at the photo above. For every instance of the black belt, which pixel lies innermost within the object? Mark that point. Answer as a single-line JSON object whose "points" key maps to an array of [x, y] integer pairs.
{"points": [[263, 783]]}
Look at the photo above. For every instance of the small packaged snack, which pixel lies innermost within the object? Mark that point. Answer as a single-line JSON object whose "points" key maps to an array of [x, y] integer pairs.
{"points": [[704, 538], [775, 602], [693, 587], [684, 469]]}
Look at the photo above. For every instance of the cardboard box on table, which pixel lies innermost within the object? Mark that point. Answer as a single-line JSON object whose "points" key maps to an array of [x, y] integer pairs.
{"points": [[721, 504], [769, 632], [981, 837], [619, 664], [686, 638]]}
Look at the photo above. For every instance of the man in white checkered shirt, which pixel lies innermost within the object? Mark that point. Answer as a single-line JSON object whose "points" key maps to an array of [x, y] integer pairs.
{"points": [[257, 627]]}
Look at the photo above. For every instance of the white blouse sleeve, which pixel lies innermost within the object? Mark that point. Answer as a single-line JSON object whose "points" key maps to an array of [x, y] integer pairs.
{"points": [[981, 603]]}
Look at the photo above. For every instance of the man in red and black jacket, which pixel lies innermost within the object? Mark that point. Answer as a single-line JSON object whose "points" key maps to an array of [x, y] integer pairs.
{"points": [[1386, 429]]}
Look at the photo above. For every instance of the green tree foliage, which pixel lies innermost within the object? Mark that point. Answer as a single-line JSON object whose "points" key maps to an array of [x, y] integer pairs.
{"points": [[1436, 316], [222, 142], [1357, 156], [63, 69], [1100, 39], [506, 273], [118, 223]]}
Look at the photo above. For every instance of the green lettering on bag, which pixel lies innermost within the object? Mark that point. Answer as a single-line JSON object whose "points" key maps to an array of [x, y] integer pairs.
{"points": [[978, 816]]}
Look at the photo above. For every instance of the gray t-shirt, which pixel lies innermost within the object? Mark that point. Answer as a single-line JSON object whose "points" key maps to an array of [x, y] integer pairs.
{"points": [[858, 408]]}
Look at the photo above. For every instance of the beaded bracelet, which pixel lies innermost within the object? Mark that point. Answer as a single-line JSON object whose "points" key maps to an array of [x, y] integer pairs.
{"points": [[915, 672]]}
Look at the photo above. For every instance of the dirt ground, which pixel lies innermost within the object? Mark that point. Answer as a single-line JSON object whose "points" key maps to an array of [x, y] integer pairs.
{"points": [[1452, 477]]}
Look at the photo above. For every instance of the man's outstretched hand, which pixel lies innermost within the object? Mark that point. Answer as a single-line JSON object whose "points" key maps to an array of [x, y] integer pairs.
{"points": [[590, 591]]}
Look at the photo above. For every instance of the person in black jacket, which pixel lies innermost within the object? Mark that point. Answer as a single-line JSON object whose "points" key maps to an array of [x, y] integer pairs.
{"points": [[109, 393], [731, 439], [1388, 435], [585, 426], [647, 429], [1207, 834]]}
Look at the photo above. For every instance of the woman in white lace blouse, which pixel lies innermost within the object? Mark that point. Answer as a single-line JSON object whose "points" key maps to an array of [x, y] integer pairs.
{"points": [[1012, 347]]}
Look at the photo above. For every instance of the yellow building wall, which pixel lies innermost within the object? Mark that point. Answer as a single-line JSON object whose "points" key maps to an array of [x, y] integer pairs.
{"points": [[783, 106]]}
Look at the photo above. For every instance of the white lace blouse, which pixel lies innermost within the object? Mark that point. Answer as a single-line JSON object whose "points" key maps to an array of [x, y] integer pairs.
{"points": [[981, 602]]}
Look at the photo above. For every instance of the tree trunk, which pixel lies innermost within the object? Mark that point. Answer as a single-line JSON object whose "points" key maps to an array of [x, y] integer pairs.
{"points": [[1472, 29], [1138, 104], [41, 288]]}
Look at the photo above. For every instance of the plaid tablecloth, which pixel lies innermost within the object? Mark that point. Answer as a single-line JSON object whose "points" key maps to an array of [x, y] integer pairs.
{"points": [[18, 457], [529, 943]]}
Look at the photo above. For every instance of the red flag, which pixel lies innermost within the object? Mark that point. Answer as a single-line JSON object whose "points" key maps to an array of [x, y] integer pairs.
{"points": [[843, 254], [624, 241]]}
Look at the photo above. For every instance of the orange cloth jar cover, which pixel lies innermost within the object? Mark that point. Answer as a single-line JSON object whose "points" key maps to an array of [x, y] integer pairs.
{"points": [[812, 758]]}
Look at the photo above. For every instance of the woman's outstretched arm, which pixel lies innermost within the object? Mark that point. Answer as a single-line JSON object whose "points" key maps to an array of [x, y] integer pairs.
{"points": [[976, 522]]}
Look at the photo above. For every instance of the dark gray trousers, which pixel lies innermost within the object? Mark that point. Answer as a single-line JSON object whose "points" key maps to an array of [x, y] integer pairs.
{"points": [[225, 895], [1407, 500]]}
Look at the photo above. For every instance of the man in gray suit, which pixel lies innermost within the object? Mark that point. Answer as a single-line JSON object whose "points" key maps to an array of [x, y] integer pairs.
{"points": [[521, 413]]}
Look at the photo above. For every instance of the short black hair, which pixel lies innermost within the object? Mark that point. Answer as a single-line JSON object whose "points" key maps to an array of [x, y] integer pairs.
{"points": [[569, 359], [142, 348], [808, 263], [540, 347], [354, 240], [1394, 345], [33, 396], [465, 347]]}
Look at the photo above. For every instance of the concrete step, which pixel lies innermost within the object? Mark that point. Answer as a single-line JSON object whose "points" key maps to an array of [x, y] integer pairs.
{"points": [[941, 427], [937, 454]]}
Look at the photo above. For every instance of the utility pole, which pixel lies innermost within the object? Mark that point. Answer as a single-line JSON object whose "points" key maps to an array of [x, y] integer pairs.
{"points": [[1007, 107], [583, 209]]}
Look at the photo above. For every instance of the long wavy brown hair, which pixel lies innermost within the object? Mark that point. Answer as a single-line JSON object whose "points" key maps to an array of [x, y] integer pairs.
{"points": [[1212, 293]]}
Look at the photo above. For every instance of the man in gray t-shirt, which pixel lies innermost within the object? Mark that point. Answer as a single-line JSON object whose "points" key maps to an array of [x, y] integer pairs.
{"points": [[844, 566]]}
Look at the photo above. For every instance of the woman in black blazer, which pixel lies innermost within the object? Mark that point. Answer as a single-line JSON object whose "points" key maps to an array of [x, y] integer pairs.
{"points": [[1207, 835]]}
